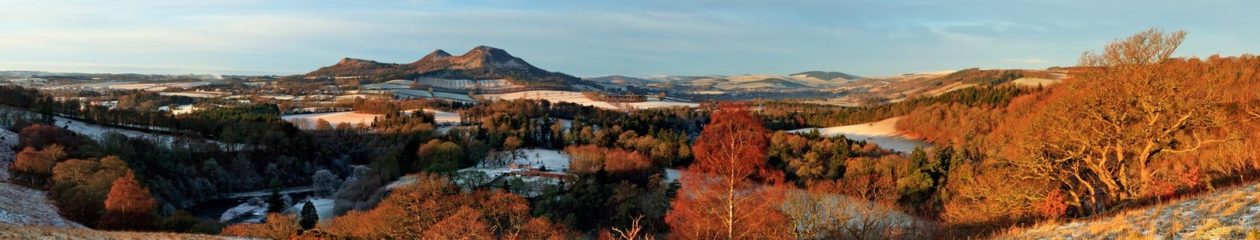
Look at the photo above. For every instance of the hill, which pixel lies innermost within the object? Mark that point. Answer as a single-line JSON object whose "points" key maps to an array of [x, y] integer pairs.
{"points": [[479, 63], [622, 80], [1224, 214], [354, 67], [812, 80], [24, 206]]}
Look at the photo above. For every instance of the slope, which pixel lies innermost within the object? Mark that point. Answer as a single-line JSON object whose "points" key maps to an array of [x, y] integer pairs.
{"points": [[1224, 214]]}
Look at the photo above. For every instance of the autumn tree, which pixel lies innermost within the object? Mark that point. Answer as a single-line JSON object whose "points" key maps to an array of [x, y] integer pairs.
{"points": [[129, 205], [433, 208], [439, 156], [512, 145], [34, 166], [1098, 134], [41, 136], [729, 193], [465, 223], [80, 187], [277, 226]]}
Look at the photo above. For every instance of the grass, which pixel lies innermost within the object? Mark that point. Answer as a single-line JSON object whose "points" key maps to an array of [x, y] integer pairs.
{"points": [[1223, 214], [19, 232]]}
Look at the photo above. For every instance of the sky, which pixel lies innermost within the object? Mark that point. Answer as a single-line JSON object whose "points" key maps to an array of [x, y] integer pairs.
{"points": [[602, 37]]}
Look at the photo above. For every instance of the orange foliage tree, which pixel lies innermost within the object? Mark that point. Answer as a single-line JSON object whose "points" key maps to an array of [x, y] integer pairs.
{"points": [[129, 205], [34, 166], [277, 226], [729, 193], [1099, 133], [433, 208], [619, 164]]}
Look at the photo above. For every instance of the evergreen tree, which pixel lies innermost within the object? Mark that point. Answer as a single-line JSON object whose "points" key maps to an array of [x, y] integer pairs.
{"points": [[275, 204], [309, 216]]}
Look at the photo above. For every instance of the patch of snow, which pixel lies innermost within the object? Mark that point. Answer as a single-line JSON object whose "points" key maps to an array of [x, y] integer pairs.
{"points": [[1033, 82], [444, 117], [97, 132], [662, 104], [323, 208], [335, 118], [672, 175], [247, 212], [579, 98], [883, 133], [552, 160]]}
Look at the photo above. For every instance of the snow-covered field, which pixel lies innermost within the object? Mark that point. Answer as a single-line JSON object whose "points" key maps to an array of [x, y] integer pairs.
{"points": [[453, 96], [444, 117], [578, 98], [335, 118], [1223, 214], [465, 84], [554, 161], [1033, 82], [550, 95], [97, 131], [661, 104], [441, 116], [248, 212], [883, 133], [156, 87], [23, 206], [196, 94], [308, 120]]}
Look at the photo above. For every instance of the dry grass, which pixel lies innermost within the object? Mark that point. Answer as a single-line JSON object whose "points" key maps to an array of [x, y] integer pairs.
{"points": [[19, 232], [1223, 214]]}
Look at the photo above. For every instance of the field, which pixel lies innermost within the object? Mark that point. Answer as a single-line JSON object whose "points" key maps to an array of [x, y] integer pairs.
{"points": [[156, 87], [26, 232], [578, 98], [882, 133], [95, 131], [335, 118], [1033, 82], [552, 160]]}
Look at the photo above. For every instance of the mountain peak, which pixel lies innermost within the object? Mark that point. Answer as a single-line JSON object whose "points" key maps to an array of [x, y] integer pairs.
{"points": [[435, 55], [356, 61], [488, 53]]}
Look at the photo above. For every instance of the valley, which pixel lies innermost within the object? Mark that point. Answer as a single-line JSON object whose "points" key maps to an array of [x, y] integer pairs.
{"points": [[706, 121]]}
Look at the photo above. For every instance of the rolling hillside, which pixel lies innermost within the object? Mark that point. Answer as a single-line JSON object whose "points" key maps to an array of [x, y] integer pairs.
{"points": [[1225, 214]]}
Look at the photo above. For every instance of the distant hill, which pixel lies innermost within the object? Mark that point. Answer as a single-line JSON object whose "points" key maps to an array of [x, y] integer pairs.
{"points": [[479, 63], [827, 76], [622, 80], [756, 82], [355, 67]]}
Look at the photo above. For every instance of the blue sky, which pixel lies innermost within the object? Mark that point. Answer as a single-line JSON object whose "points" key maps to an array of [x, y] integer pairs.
{"points": [[599, 37]]}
